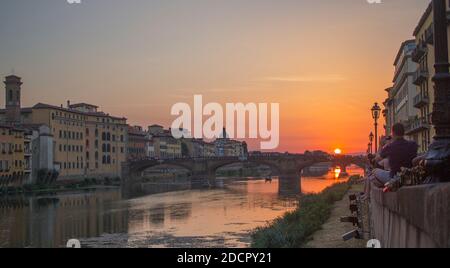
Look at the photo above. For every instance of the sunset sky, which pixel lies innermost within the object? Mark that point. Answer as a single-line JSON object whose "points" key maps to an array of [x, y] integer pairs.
{"points": [[325, 61]]}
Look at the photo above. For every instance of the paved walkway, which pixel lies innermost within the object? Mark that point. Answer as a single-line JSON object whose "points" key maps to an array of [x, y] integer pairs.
{"points": [[331, 234]]}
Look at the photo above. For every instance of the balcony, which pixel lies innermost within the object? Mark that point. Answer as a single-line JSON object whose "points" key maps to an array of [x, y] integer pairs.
{"points": [[417, 125], [419, 52], [429, 36], [419, 77], [420, 101]]}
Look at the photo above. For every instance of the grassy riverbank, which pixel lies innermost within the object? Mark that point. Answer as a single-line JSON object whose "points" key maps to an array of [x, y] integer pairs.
{"points": [[294, 229], [82, 185]]}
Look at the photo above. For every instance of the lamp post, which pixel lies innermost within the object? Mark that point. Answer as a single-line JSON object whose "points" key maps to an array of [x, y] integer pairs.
{"points": [[371, 137], [438, 155], [376, 111]]}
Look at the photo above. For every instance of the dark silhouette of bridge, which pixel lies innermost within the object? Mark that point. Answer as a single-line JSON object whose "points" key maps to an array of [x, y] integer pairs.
{"points": [[344, 161], [285, 166]]}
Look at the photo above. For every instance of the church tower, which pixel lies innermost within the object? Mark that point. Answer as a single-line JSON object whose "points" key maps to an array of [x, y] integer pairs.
{"points": [[12, 98]]}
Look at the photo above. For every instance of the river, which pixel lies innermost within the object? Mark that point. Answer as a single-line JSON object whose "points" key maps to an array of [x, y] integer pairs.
{"points": [[221, 217]]}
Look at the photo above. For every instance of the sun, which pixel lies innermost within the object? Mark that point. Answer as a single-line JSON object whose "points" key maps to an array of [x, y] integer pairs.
{"points": [[338, 151]]}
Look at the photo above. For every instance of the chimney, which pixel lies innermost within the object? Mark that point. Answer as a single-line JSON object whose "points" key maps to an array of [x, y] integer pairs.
{"points": [[68, 104]]}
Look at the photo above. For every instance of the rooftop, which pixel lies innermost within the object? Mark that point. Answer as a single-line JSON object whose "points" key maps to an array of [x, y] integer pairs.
{"points": [[100, 114], [83, 104], [423, 19]]}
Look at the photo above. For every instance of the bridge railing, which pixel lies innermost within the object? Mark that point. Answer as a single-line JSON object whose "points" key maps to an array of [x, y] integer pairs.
{"points": [[241, 158]]}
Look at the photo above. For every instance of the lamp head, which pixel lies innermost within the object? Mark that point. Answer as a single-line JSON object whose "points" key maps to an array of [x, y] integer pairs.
{"points": [[376, 111]]}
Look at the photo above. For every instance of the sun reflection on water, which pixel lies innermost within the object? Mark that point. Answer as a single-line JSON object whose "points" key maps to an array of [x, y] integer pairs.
{"points": [[337, 173]]}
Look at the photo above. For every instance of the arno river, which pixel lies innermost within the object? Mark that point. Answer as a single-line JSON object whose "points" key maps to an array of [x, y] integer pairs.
{"points": [[222, 217]]}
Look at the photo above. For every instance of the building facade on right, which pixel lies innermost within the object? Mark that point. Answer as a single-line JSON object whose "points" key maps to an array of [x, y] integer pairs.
{"points": [[423, 56], [399, 106]]}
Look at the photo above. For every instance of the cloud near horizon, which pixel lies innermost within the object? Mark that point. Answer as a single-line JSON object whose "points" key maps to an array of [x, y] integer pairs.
{"points": [[306, 78]]}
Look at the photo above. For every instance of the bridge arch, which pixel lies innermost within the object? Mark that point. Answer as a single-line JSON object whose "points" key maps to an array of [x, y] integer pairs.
{"points": [[276, 169], [140, 167]]}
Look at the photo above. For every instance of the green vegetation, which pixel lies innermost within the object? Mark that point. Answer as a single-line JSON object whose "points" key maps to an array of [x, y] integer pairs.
{"points": [[295, 228], [86, 184]]}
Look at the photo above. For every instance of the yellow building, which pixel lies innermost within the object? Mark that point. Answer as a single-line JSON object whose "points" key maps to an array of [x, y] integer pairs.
{"points": [[174, 149], [138, 143], [423, 55], [163, 144], [13, 170], [87, 143]]}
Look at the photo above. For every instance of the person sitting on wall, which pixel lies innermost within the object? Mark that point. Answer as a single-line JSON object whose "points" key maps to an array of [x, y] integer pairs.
{"points": [[399, 153], [384, 163]]}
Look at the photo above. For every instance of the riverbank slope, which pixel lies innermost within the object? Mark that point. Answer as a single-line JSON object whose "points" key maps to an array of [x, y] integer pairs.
{"points": [[330, 235], [294, 229]]}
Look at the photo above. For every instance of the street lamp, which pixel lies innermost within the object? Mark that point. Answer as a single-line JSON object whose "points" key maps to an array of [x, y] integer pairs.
{"points": [[438, 155], [371, 137], [376, 111]]}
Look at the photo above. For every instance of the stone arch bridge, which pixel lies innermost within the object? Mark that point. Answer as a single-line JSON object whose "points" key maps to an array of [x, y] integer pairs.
{"points": [[343, 161], [286, 166]]}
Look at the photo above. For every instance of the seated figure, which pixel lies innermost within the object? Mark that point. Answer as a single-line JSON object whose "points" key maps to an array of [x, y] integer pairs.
{"points": [[398, 153]]}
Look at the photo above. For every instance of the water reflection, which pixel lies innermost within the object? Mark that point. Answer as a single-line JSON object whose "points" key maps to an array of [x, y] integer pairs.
{"points": [[51, 221], [337, 173], [221, 217]]}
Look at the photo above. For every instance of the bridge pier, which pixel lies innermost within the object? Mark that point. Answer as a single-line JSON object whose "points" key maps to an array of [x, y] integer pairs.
{"points": [[202, 180], [131, 181], [289, 185]]}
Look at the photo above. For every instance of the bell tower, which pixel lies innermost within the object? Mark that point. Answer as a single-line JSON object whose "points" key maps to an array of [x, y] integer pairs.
{"points": [[12, 98]]}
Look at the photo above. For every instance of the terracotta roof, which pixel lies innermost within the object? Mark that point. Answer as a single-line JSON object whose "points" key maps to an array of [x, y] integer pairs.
{"points": [[100, 114], [76, 105]]}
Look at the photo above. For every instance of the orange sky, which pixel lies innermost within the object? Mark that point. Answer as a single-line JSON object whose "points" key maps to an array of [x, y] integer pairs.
{"points": [[326, 62]]}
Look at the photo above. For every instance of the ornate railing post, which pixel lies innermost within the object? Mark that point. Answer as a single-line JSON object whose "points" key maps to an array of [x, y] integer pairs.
{"points": [[438, 155]]}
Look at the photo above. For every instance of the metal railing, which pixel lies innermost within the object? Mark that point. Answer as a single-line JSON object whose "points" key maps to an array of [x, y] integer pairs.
{"points": [[417, 125], [420, 100]]}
